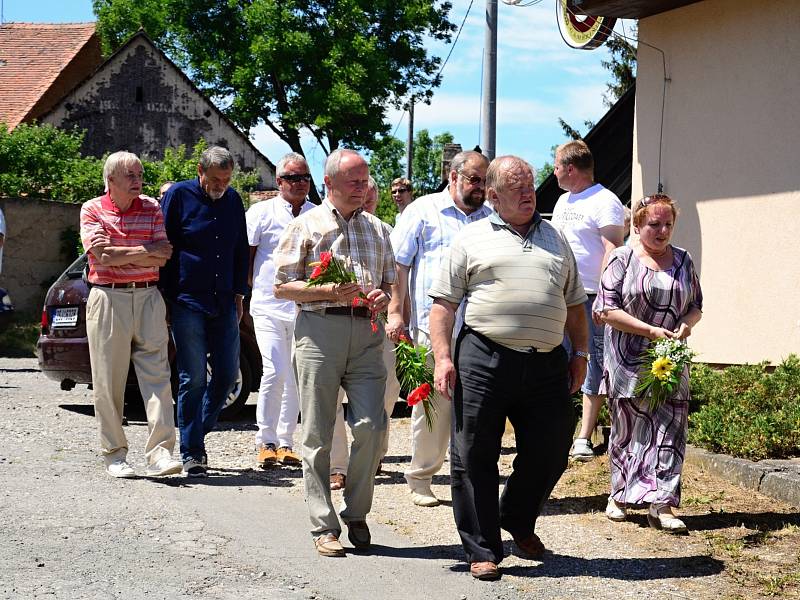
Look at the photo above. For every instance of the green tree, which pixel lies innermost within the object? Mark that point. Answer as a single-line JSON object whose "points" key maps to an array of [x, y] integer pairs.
{"points": [[543, 173], [427, 162], [41, 161], [44, 162], [386, 164], [329, 67], [622, 67]]}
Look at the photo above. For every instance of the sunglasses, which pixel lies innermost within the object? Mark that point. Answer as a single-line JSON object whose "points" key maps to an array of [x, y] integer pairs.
{"points": [[648, 200], [306, 177], [401, 190], [471, 179]]}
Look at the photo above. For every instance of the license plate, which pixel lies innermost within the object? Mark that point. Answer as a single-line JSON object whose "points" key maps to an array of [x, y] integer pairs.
{"points": [[65, 317]]}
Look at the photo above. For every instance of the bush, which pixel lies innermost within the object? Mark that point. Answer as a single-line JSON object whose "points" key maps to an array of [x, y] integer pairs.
{"points": [[746, 410], [42, 161], [45, 162], [18, 334]]}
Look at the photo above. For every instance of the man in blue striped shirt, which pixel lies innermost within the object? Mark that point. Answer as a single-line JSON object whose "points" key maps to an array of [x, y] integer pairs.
{"points": [[422, 235]]}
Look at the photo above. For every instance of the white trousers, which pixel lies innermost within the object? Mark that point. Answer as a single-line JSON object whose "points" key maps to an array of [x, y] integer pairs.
{"points": [[428, 448], [340, 450], [278, 402]]}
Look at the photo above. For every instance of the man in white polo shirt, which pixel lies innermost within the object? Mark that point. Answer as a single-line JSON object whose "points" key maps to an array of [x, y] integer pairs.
{"points": [[273, 319], [519, 283], [591, 217]]}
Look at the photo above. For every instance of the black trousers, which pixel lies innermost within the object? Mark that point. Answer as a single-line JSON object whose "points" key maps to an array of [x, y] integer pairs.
{"points": [[532, 391]]}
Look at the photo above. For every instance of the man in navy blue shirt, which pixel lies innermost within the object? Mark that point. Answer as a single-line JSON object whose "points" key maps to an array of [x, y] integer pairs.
{"points": [[204, 283]]}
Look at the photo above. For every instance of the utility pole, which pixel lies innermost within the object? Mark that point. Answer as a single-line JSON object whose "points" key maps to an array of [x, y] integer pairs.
{"points": [[489, 107], [410, 142]]}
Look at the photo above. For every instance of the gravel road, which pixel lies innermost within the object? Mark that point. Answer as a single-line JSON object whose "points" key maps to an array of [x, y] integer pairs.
{"points": [[70, 531]]}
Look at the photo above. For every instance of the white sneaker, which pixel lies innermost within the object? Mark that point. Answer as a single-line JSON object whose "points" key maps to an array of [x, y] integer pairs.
{"points": [[614, 511], [424, 498], [195, 468], [120, 468], [582, 450], [164, 466]]}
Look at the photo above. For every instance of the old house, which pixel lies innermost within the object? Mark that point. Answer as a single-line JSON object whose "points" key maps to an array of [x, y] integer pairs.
{"points": [[40, 63], [137, 99]]}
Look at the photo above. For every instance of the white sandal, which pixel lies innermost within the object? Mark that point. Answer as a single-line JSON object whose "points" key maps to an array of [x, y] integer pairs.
{"points": [[614, 511], [660, 517]]}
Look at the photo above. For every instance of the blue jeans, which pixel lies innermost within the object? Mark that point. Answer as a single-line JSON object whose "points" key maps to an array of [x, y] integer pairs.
{"points": [[202, 339], [594, 370]]}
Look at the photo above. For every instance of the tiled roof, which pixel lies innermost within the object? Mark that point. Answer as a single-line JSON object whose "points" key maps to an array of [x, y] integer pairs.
{"points": [[33, 56]]}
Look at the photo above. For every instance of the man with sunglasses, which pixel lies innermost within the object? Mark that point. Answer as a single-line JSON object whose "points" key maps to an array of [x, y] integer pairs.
{"points": [[273, 319], [420, 239], [401, 194], [591, 217]]}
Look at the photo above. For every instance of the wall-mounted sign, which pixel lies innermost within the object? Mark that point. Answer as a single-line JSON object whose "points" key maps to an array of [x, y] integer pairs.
{"points": [[580, 31]]}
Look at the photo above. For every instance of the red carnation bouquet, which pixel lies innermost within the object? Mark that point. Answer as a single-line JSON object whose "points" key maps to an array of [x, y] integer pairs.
{"points": [[330, 269], [414, 374]]}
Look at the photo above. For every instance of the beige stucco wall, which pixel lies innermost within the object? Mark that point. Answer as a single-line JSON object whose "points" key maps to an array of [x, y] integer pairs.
{"points": [[32, 257], [731, 131]]}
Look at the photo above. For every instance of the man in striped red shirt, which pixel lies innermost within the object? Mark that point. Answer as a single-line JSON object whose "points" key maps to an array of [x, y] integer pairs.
{"points": [[123, 233]]}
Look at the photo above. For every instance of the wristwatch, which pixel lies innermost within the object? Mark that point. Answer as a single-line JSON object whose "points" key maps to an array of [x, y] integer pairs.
{"points": [[582, 354]]}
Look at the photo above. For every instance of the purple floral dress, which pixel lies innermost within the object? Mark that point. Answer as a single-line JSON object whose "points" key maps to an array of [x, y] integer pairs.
{"points": [[646, 448]]}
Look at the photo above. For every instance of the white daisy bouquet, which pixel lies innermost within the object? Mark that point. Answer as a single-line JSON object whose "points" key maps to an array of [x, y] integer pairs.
{"points": [[664, 361]]}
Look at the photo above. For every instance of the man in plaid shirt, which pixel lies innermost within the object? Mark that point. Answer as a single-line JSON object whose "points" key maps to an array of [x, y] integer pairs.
{"points": [[124, 235], [335, 343]]}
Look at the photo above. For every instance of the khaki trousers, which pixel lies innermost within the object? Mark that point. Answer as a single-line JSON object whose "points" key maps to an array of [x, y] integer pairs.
{"points": [[428, 448], [340, 451], [125, 325], [333, 351]]}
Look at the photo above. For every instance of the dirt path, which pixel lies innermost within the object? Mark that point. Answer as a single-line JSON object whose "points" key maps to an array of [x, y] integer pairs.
{"points": [[69, 531]]}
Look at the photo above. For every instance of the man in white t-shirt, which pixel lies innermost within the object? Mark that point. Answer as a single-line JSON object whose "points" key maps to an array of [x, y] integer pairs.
{"points": [[591, 218], [273, 319]]}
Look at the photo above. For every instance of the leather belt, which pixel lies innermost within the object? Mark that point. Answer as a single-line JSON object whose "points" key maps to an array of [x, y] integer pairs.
{"points": [[127, 285], [357, 311]]}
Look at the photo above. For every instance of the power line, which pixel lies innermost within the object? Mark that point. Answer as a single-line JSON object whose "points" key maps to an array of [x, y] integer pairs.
{"points": [[444, 64]]}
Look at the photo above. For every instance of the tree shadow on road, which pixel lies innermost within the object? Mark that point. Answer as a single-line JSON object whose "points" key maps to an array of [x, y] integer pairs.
{"points": [[274, 477], [560, 565], [626, 569], [761, 521], [81, 409]]}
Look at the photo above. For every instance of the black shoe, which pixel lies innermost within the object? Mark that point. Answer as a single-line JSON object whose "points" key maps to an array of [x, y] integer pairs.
{"points": [[358, 534]]}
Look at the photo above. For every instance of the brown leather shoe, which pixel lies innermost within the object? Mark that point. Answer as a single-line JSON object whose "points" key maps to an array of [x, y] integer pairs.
{"points": [[287, 457], [530, 547], [267, 456], [358, 534], [328, 544], [485, 571], [337, 481]]}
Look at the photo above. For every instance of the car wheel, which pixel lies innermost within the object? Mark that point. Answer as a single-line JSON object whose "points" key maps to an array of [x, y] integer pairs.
{"points": [[236, 400]]}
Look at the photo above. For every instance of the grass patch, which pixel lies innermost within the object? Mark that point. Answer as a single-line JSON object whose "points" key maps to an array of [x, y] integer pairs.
{"points": [[18, 335]]}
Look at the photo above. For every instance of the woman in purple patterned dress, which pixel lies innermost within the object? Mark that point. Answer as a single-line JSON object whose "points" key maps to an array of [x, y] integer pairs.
{"points": [[647, 291]]}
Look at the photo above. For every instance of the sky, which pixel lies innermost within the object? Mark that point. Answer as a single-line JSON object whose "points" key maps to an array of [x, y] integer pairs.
{"points": [[539, 79]]}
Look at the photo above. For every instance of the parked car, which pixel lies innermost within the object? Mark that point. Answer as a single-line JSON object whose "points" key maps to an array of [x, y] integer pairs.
{"points": [[63, 349]]}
